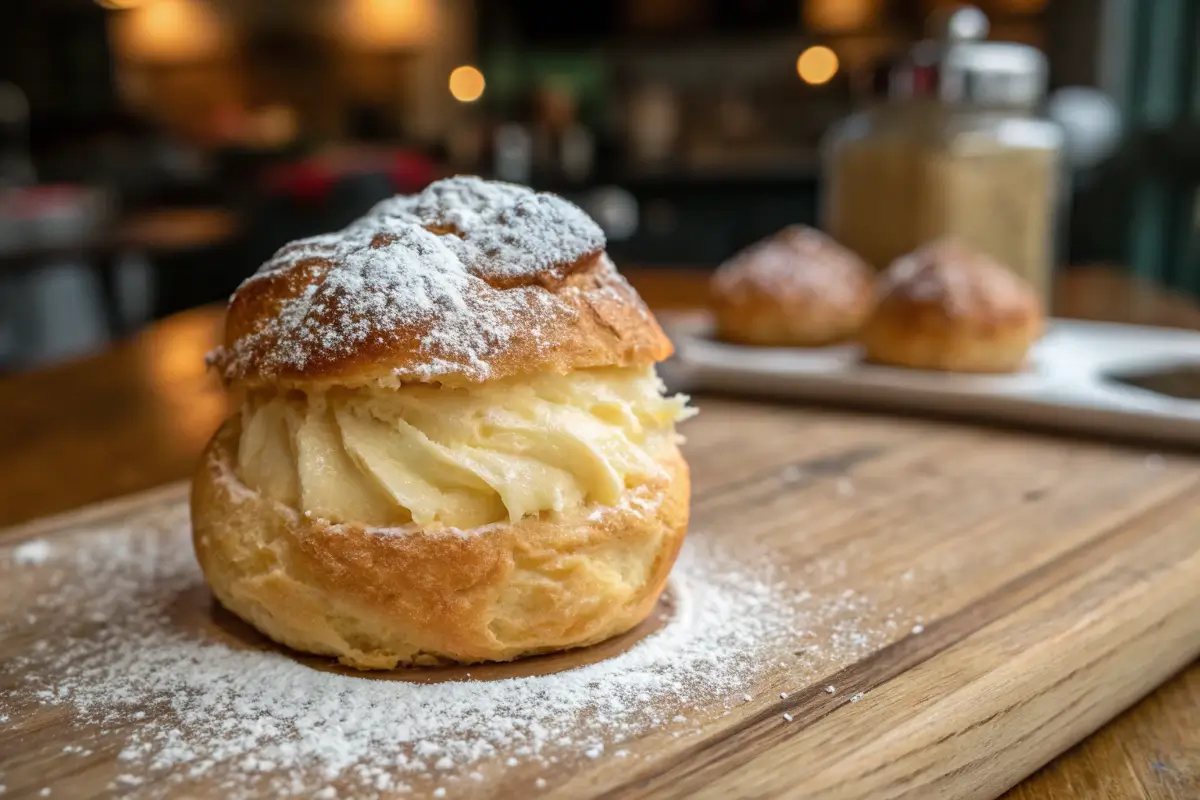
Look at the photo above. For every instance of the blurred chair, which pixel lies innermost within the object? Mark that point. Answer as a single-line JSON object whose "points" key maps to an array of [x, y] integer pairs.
{"points": [[51, 313]]}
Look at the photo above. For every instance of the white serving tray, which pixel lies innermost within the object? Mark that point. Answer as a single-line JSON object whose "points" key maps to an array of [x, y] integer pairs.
{"points": [[1065, 385]]}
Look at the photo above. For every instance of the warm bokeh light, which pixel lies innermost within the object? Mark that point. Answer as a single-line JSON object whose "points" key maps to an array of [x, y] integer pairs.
{"points": [[466, 84], [383, 25], [816, 65], [1023, 6], [275, 126], [118, 5], [169, 31], [840, 16]]}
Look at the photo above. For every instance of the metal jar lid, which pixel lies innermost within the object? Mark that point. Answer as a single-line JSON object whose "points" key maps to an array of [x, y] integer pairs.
{"points": [[957, 65]]}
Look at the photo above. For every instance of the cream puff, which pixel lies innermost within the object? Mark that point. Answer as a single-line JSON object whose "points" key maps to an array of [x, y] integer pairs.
{"points": [[947, 307], [451, 444], [797, 288]]}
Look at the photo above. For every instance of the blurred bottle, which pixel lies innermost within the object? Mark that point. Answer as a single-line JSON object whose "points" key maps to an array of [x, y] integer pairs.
{"points": [[614, 209], [563, 146], [653, 124], [513, 153], [16, 165], [576, 153], [957, 149]]}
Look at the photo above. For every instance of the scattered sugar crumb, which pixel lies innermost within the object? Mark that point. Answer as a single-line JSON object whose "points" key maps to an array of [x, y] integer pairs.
{"points": [[540, 783], [439, 792], [791, 472], [35, 551], [45, 792], [856, 698], [787, 717], [918, 628], [747, 698], [783, 695], [845, 487], [830, 690]]}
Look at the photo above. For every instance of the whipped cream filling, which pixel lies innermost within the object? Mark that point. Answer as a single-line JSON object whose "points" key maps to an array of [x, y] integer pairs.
{"points": [[461, 458]]}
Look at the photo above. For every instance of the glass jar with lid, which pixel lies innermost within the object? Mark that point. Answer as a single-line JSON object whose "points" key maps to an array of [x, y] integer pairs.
{"points": [[957, 149]]}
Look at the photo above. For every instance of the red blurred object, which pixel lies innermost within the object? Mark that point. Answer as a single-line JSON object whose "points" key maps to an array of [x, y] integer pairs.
{"points": [[926, 81], [311, 180], [52, 214]]}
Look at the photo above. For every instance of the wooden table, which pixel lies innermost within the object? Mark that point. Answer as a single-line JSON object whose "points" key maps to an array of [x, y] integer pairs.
{"points": [[138, 415]]}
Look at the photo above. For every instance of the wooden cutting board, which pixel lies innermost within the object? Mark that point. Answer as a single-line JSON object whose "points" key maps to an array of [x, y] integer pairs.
{"points": [[1057, 581]]}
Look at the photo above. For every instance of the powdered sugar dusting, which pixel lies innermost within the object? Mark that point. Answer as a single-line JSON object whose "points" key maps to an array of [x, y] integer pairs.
{"points": [[35, 551], [190, 706], [796, 261], [960, 279], [499, 229], [454, 265]]}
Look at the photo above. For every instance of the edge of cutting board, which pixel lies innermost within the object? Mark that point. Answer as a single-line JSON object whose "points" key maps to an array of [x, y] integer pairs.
{"points": [[112, 508]]}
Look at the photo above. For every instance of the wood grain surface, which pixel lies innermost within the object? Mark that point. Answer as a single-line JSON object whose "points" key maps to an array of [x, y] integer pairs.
{"points": [[1062, 583]]}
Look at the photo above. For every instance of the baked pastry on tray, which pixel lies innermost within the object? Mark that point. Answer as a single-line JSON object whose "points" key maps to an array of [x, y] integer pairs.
{"points": [[452, 445], [797, 288], [947, 307]]}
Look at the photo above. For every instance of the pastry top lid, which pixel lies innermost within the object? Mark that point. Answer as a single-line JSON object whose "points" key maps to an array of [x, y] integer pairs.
{"points": [[794, 265], [960, 280], [468, 281]]}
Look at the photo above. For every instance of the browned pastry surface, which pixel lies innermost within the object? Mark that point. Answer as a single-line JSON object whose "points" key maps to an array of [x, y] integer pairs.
{"points": [[948, 307], [468, 281], [796, 288], [378, 598]]}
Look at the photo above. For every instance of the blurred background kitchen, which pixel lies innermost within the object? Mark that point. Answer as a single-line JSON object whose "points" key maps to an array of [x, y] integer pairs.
{"points": [[154, 152]]}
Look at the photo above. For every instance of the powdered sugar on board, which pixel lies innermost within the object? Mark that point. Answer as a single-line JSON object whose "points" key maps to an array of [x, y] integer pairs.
{"points": [[453, 266], [122, 650], [35, 551]]}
